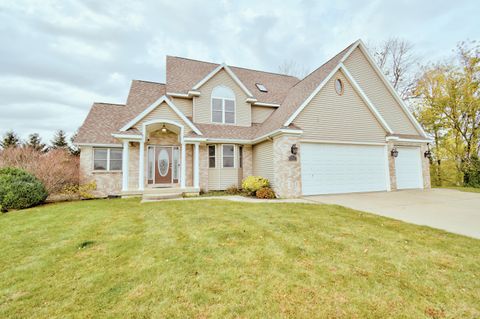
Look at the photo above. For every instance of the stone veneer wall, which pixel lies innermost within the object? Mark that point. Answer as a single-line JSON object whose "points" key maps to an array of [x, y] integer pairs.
{"points": [[108, 183], [425, 164], [203, 167], [287, 174], [189, 168], [247, 162]]}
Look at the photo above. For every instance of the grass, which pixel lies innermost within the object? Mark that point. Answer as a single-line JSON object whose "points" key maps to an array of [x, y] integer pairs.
{"points": [[462, 189], [217, 259]]}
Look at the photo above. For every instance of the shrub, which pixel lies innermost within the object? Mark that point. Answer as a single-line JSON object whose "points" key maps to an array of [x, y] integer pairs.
{"points": [[233, 190], [19, 189], [252, 184], [83, 191], [472, 173], [56, 168], [265, 193]]}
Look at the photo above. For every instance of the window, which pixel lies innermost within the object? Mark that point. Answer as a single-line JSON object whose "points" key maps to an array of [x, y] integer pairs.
{"points": [[223, 105], [339, 86], [240, 156], [228, 155], [211, 156], [261, 87], [107, 159]]}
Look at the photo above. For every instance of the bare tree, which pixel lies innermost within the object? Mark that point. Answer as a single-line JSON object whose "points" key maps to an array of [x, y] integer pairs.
{"points": [[396, 58], [292, 68]]}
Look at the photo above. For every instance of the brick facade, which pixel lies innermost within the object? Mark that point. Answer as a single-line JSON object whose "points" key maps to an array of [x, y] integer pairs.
{"points": [[287, 173]]}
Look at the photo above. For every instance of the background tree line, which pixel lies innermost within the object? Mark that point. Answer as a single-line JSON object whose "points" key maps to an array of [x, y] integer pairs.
{"points": [[34, 141]]}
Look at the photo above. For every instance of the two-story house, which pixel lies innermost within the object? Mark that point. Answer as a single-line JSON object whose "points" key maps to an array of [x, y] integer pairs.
{"points": [[342, 128]]}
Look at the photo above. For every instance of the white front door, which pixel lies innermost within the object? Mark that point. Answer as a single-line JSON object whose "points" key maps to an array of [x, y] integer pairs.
{"points": [[342, 168], [408, 168]]}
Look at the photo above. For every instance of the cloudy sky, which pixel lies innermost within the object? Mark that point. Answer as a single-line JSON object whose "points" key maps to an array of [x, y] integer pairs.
{"points": [[57, 57]]}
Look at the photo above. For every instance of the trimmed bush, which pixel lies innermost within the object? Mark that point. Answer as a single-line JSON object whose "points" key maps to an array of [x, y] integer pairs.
{"points": [[233, 190], [252, 184], [265, 193], [19, 189]]}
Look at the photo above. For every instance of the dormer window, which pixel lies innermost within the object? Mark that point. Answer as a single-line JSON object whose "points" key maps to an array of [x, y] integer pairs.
{"points": [[261, 87], [223, 105]]}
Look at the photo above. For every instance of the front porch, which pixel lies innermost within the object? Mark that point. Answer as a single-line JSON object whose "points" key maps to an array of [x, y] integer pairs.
{"points": [[159, 162]]}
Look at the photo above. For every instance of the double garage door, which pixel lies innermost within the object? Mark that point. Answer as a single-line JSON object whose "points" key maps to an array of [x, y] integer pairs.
{"points": [[342, 168]]}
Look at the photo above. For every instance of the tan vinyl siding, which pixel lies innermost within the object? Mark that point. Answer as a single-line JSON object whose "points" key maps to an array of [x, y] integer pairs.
{"points": [[260, 113], [164, 112], [263, 160], [220, 178], [334, 117], [364, 74], [203, 111], [184, 105]]}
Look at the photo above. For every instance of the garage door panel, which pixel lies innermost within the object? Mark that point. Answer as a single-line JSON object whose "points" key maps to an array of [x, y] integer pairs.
{"points": [[408, 168], [335, 168]]}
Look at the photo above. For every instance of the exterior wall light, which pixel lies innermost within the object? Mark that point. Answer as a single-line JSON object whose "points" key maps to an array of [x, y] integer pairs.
{"points": [[428, 153], [164, 129], [294, 149], [394, 152]]}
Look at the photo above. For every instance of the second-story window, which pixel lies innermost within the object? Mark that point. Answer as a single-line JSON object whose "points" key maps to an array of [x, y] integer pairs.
{"points": [[223, 105]]}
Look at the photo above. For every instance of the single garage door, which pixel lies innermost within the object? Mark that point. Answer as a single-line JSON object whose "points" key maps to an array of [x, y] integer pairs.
{"points": [[408, 168], [339, 168]]}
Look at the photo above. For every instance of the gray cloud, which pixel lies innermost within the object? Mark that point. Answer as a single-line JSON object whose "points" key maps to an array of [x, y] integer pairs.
{"points": [[58, 57]]}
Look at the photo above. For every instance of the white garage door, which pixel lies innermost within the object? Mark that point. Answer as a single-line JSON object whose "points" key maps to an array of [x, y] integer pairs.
{"points": [[408, 168], [338, 168]]}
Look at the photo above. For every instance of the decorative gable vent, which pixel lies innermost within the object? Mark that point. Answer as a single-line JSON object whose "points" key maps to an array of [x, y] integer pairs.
{"points": [[261, 87]]}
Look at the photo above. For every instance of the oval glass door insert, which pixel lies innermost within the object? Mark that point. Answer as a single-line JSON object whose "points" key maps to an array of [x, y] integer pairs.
{"points": [[163, 162]]}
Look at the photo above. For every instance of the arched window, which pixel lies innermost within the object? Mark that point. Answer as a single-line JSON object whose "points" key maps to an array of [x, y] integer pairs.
{"points": [[223, 105]]}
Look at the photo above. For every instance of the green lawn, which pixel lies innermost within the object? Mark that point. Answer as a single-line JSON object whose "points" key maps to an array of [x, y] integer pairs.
{"points": [[218, 259]]}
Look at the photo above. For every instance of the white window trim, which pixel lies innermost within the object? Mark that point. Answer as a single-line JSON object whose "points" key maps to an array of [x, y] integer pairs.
{"points": [[223, 99], [234, 154], [215, 156], [108, 159]]}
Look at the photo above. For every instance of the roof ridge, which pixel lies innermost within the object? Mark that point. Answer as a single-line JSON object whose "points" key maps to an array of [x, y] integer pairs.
{"points": [[113, 104], [234, 66], [333, 57], [149, 82]]}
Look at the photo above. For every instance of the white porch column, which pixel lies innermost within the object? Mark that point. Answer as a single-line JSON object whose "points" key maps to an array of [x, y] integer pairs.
{"points": [[125, 157], [183, 166], [141, 168], [196, 171]]}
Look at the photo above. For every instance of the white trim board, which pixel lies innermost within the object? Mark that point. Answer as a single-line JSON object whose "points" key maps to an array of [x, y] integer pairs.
{"points": [[340, 142], [98, 145], [155, 105], [341, 67], [230, 72], [359, 43]]}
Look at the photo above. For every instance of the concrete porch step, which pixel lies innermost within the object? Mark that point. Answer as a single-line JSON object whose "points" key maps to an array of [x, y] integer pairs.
{"points": [[160, 196]]}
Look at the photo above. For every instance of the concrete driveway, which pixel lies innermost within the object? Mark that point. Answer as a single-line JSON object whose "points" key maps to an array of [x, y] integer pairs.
{"points": [[450, 210]]}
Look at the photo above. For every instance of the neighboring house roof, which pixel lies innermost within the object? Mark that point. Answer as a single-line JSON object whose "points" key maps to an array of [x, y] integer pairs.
{"points": [[103, 120], [183, 74]]}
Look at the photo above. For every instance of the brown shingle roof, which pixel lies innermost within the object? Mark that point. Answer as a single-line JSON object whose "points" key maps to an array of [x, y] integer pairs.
{"points": [[226, 131], [142, 94], [102, 120], [299, 93], [183, 74]]}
